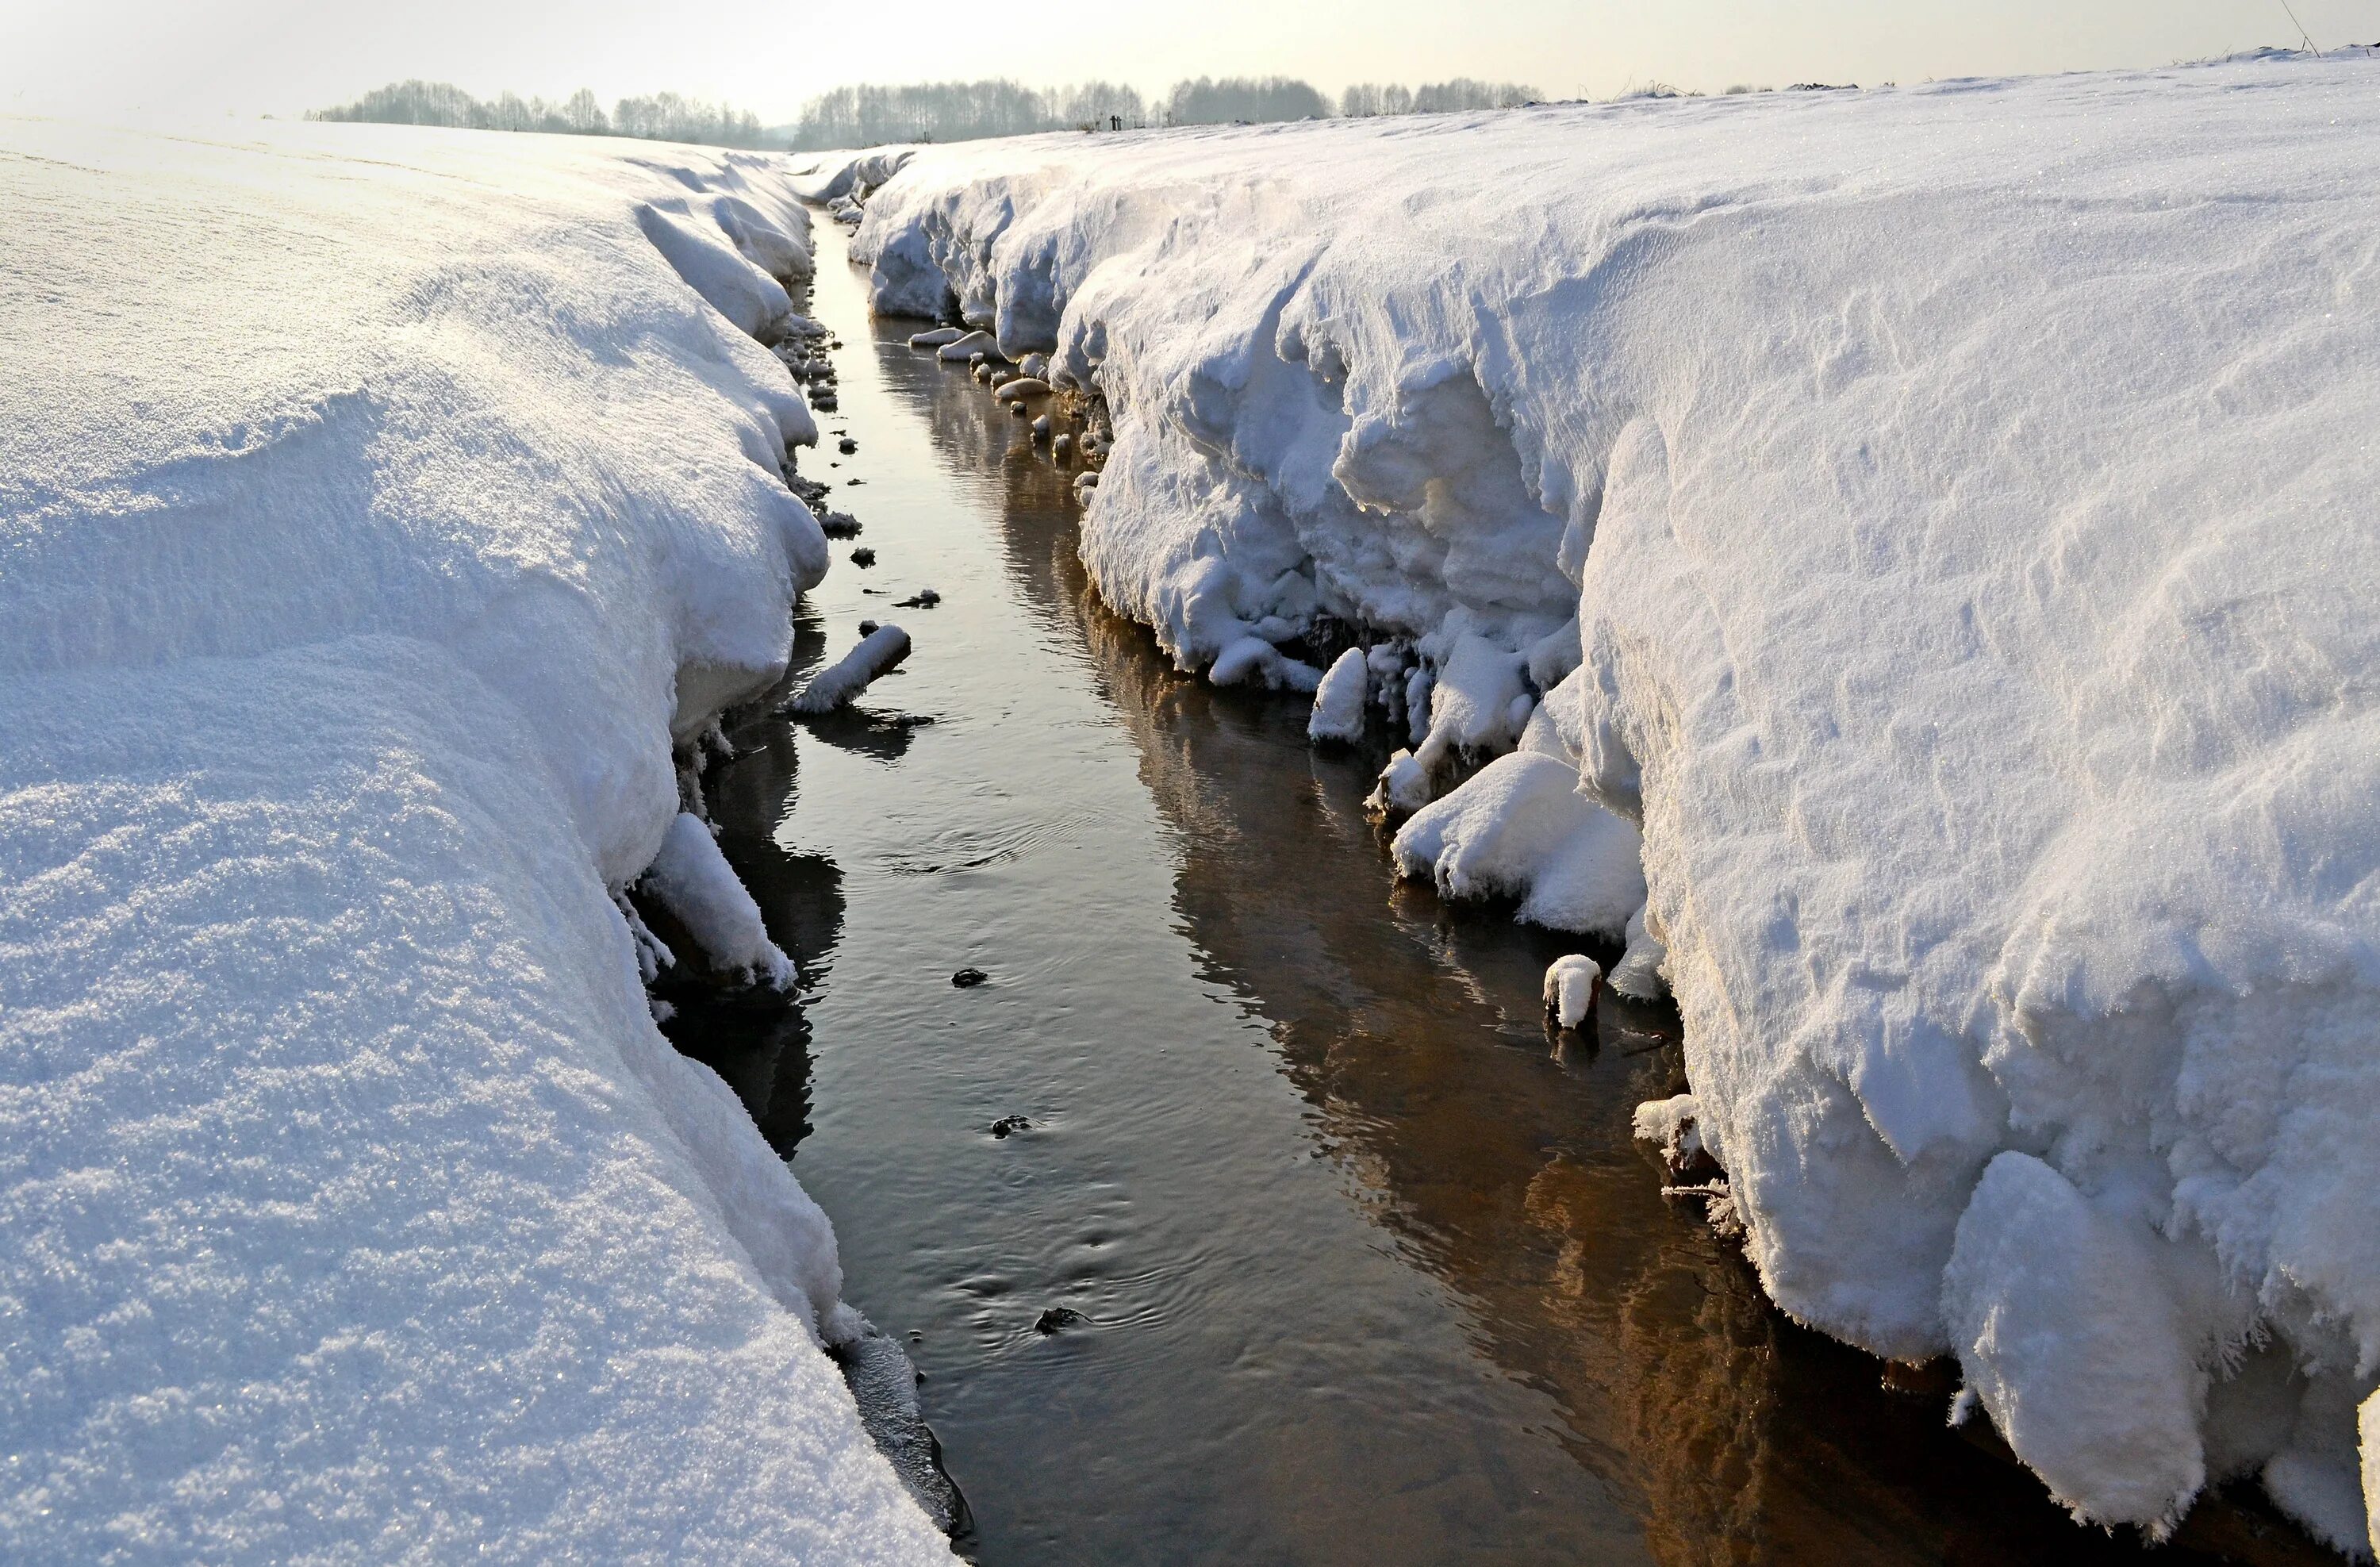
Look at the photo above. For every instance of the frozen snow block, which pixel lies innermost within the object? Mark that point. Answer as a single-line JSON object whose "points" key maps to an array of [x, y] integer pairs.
{"points": [[694, 881], [1519, 828], [1339, 701], [961, 349], [1673, 1124], [1253, 658], [1638, 975], [2072, 1342], [938, 337], [1570, 985], [881, 650]]}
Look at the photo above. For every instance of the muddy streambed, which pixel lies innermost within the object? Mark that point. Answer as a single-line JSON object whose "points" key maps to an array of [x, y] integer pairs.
{"points": [[1314, 1246]]}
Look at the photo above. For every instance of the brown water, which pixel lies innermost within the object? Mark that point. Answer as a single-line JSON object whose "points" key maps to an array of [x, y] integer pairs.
{"points": [[1371, 1268]]}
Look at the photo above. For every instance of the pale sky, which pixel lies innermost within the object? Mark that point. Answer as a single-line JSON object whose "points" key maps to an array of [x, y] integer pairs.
{"points": [[175, 59]]}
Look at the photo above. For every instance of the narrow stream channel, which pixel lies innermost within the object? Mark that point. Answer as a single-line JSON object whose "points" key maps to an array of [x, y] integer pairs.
{"points": [[1367, 1267]]}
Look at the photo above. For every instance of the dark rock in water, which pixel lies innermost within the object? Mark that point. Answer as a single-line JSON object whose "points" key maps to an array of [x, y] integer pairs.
{"points": [[846, 446], [1008, 1123], [1058, 1318], [839, 525], [863, 556], [868, 628], [925, 598], [968, 978]]}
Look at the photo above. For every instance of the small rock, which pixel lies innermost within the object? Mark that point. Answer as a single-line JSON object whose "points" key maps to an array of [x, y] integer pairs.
{"points": [[868, 628], [839, 525], [968, 978], [863, 556], [925, 599], [846, 446], [1007, 1124], [1058, 1318]]}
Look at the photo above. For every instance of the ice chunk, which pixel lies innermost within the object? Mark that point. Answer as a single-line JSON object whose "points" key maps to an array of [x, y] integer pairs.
{"points": [[1673, 1124], [1253, 658], [2075, 1348], [961, 349], [1638, 975], [693, 880], [1340, 699], [1520, 828], [830, 687], [1571, 984]]}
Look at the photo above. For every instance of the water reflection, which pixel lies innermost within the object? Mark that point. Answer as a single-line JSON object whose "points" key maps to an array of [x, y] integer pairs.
{"points": [[1501, 1157], [758, 1040]]}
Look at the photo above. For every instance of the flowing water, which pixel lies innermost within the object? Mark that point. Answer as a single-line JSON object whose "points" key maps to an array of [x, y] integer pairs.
{"points": [[1367, 1264]]}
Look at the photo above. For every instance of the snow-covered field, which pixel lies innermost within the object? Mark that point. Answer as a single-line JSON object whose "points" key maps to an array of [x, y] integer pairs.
{"points": [[1965, 494], [377, 508]]}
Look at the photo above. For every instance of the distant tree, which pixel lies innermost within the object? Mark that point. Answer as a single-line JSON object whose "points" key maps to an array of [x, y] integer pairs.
{"points": [[582, 113], [1366, 99], [1256, 99]]}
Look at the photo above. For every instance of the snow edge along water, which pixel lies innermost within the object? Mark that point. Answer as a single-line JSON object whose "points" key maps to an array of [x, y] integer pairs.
{"points": [[364, 592], [1934, 519]]}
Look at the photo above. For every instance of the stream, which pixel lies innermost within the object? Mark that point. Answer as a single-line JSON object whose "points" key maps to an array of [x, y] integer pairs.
{"points": [[1317, 1245]]}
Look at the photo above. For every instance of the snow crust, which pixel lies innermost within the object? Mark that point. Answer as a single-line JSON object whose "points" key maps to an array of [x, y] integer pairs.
{"points": [[379, 506], [1964, 495]]}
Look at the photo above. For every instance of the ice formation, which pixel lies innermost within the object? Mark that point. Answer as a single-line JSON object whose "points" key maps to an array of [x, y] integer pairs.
{"points": [[381, 508], [881, 648], [691, 877], [1341, 698], [1965, 497], [1571, 984]]}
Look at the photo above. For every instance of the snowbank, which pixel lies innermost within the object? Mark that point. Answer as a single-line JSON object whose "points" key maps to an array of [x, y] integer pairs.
{"points": [[377, 506], [1965, 493]]}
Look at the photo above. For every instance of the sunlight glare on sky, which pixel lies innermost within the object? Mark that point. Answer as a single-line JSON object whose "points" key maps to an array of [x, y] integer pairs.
{"points": [[172, 59]]}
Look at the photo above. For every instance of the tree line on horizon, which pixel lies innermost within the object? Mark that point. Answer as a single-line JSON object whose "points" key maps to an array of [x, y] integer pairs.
{"points": [[871, 114], [664, 117]]}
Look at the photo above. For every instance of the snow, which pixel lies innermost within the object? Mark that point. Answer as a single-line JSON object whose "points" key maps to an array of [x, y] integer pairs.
{"points": [[691, 877], [1571, 984], [1340, 699], [839, 682], [1963, 495], [1520, 828], [2089, 1375], [381, 507]]}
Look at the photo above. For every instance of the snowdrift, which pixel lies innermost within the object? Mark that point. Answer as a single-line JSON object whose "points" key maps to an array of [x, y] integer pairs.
{"points": [[1966, 496], [377, 506]]}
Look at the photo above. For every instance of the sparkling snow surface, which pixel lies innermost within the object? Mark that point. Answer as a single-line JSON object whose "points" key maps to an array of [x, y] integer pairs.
{"points": [[374, 505], [1966, 495]]}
